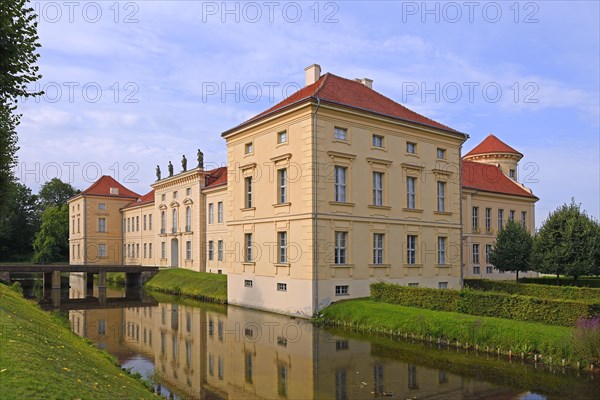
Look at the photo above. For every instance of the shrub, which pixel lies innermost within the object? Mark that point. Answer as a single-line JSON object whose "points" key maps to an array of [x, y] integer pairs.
{"points": [[491, 304], [16, 287], [590, 282], [542, 291], [586, 339]]}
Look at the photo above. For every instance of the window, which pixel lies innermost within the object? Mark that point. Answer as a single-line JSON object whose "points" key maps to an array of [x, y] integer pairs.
{"points": [[411, 249], [441, 250], [413, 284], [341, 290], [511, 215], [282, 245], [145, 248], [248, 183], [512, 174], [188, 250], [220, 212], [282, 185], [137, 250], [221, 368], [101, 250], [441, 153], [149, 250], [340, 133], [282, 287], [247, 283], [411, 148], [248, 247], [188, 191], [475, 253], [211, 213], [175, 194], [150, 222], [488, 252], [211, 250], [220, 250], [188, 219], [282, 137], [410, 192], [441, 196], [249, 368], [378, 188], [489, 269], [128, 224], [377, 141], [340, 184], [523, 219], [163, 197], [378, 248], [101, 224], [476, 269], [163, 222], [163, 250], [488, 219], [101, 206], [475, 216], [129, 250], [174, 220], [248, 148], [340, 247], [137, 223], [500, 218], [443, 285], [145, 224]]}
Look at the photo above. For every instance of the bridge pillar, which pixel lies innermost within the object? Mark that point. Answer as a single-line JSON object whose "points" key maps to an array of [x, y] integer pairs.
{"points": [[56, 280], [133, 279], [47, 279], [102, 280], [89, 283], [56, 296]]}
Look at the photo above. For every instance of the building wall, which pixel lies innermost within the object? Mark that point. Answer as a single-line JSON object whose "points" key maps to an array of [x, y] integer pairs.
{"points": [[486, 237], [216, 230], [138, 235]]}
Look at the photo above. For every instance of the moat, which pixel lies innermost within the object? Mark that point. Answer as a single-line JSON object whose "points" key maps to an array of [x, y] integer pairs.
{"points": [[193, 350]]}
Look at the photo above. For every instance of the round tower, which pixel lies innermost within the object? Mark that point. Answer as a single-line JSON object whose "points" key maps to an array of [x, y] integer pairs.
{"points": [[494, 151]]}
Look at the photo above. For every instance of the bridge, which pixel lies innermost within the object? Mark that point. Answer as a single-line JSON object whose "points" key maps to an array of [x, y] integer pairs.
{"points": [[51, 274]]}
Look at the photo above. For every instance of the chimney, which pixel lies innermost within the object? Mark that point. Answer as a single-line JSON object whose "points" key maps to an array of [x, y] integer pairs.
{"points": [[366, 81], [313, 73]]}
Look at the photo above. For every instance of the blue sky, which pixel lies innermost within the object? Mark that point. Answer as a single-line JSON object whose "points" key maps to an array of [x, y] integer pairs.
{"points": [[133, 84]]}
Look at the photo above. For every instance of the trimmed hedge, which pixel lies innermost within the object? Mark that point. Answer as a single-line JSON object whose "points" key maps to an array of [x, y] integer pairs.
{"points": [[535, 290], [490, 304], [589, 282]]}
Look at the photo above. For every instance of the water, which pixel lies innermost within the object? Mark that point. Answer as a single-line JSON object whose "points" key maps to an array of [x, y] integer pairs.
{"points": [[193, 350]]}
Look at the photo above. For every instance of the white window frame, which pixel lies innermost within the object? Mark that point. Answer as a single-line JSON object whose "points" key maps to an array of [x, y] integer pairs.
{"points": [[281, 287], [378, 141], [219, 250], [340, 133], [475, 257], [441, 196], [281, 137], [248, 256], [488, 219], [188, 219], [378, 178], [441, 250], [211, 213], [101, 224], [341, 248], [340, 183], [174, 213], [282, 185], [411, 192], [441, 153], [411, 249], [411, 148], [475, 217], [282, 243], [500, 219], [220, 212], [378, 247], [248, 190], [211, 250], [342, 290], [101, 250], [188, 250]]}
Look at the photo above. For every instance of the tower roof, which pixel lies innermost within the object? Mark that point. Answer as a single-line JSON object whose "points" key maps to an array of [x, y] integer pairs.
{"points": [[108, 186], [491, 145], [489, 178]]}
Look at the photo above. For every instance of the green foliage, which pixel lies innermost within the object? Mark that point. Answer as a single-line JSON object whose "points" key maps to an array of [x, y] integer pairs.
{"points": [[492, 304], [52, 241], [564, 281], [375, 317], [198, 285], [55, 193], [41, 358], [541, 291], [16, 287], [512, 250], [586, 339], [19, 221], [568, 243]]}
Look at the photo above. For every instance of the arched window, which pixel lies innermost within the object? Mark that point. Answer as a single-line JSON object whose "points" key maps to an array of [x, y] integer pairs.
{"points": [[163, 222], [174, 220], [188, 219]]}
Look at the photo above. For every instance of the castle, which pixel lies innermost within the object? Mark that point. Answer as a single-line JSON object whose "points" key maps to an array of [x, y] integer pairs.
{"points": [[333, 188]]}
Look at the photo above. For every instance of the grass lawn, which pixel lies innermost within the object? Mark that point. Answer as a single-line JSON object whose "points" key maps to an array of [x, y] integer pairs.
{"points": [[182, 282], [41, 358], [518, 336]]}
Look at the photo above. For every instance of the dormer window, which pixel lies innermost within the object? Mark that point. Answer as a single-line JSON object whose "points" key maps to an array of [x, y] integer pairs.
{"points": [[512, 174], [114, 190]]}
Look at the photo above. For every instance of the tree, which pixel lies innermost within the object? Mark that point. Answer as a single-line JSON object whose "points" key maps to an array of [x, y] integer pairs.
{"points": [[568, 243], [52, 241], [512, 250], [18, 55], [18, 222], [55, 193]]}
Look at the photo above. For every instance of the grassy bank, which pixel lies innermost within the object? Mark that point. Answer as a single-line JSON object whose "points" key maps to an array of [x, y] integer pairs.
{"points": [[198, 285], [508, 335], [41, 358]]}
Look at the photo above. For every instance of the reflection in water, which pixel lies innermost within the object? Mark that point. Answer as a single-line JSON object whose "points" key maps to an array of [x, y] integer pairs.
{"points": [[200, 351]]}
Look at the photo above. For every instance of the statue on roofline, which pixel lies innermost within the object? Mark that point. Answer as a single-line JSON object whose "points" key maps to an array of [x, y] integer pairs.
{"points": [[158, 172], [200, 159], [184, 164], [170, 167]]}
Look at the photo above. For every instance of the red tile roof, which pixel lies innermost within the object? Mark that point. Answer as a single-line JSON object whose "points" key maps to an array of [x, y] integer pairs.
{"points": [[103, 185], [492, 144], [140, 201], [489, 178], [216, 177], [350, 93]]}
